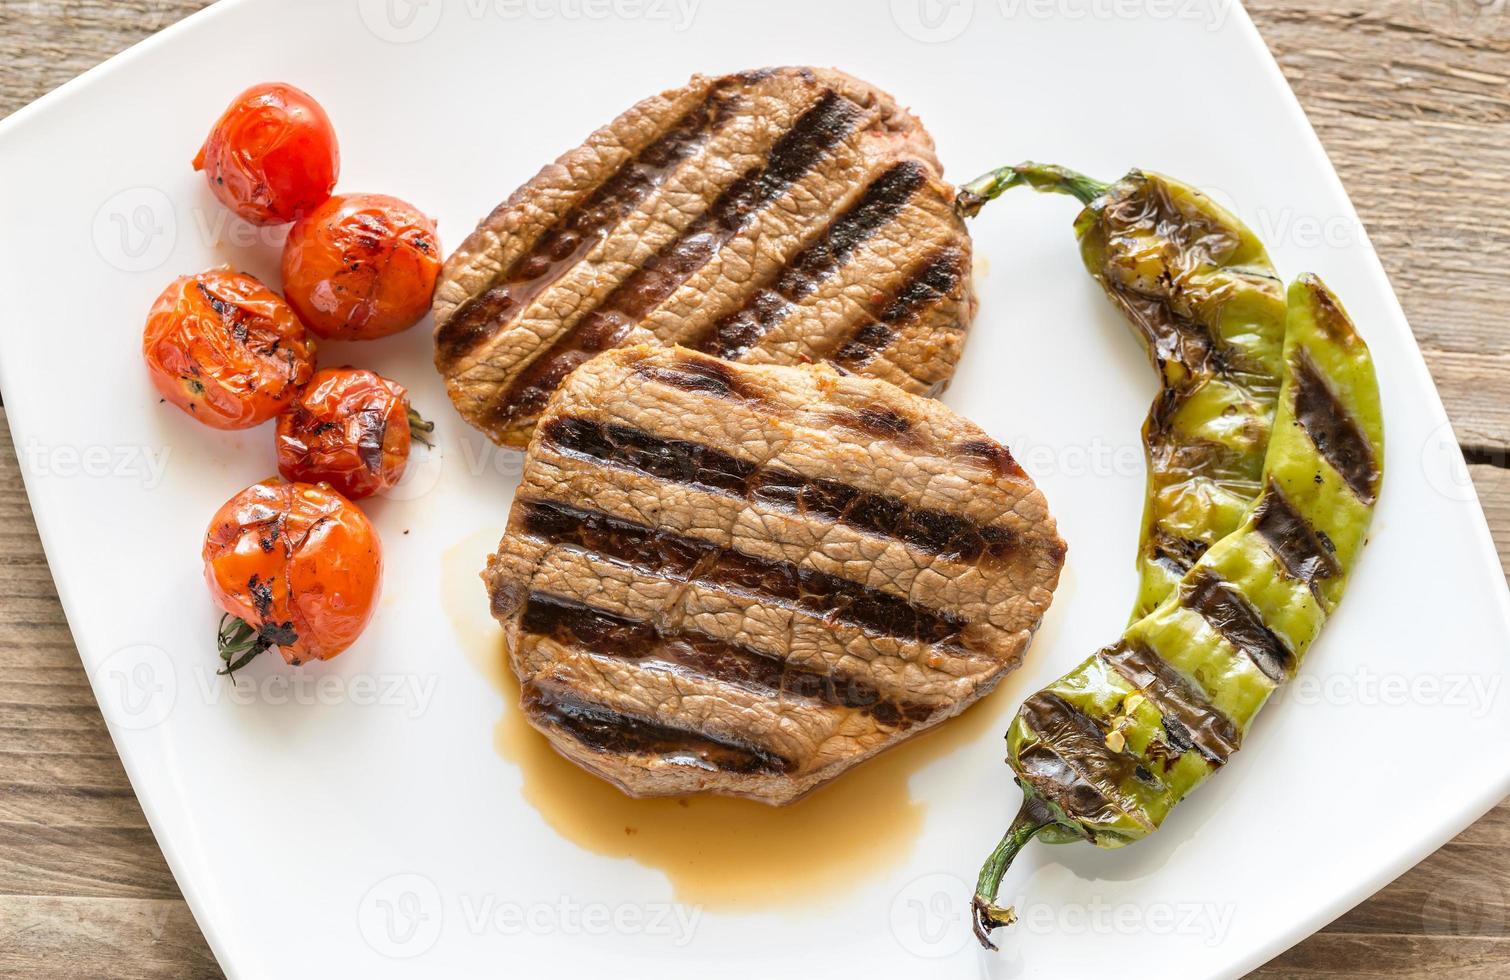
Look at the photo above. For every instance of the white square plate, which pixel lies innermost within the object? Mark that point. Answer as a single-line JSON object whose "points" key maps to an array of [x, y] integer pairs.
{"points": [[374, 818]]}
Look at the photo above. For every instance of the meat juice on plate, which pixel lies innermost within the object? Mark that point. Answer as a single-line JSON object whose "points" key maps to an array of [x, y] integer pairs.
{"points": [[719, 852]]}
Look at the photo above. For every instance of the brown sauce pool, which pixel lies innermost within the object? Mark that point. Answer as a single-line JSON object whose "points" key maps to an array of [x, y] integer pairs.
{"points": [[718, 852]]}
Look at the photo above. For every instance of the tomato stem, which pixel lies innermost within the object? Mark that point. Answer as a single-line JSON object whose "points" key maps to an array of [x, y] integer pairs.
{"points": [[239, 643], [420, 427]]}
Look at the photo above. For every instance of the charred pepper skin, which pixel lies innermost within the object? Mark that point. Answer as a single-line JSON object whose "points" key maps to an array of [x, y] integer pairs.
{"points": [[1202, 295], [1104, 753]]}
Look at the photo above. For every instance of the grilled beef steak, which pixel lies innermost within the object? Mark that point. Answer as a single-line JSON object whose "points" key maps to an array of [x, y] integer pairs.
{"points": [[778, 217], [744, 580]]}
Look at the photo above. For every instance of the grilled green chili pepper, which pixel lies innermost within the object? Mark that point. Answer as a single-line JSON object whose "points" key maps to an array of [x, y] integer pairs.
{"points": [[1205, 300], [1106, 751]]}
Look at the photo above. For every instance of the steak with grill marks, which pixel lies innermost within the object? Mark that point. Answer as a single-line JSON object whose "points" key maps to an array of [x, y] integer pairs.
{"points": [[781, 216], [746, 579]]}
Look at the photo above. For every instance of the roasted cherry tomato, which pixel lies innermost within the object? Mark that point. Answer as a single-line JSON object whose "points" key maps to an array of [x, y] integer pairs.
{"points": [[295, 566], [272, 156], [361, 266], [349, 428], [226, 349]]}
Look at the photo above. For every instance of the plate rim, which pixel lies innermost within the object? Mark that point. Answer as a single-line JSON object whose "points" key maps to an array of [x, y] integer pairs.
{"points": [[203, 909]]}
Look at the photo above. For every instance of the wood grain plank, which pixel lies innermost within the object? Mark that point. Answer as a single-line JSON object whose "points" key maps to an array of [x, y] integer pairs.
{"points": [[1493, 485], [77, 937], [1412, 101], [1334, 955]]}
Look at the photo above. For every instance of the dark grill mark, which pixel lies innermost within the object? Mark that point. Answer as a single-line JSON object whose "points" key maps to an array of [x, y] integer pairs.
{"points": [[605, 730], [576, 231], [1190, 719], [1305, 555], [882, 201], [827, 123], [665, 553], [610, 634], [878, 423], [1175, 553], [1070, 764], [1139, 207], [707, 377], [667, 459], [932, 282], [946, 535], [992, 455], [1238, 622], [1170, 337], [1334, 432]]}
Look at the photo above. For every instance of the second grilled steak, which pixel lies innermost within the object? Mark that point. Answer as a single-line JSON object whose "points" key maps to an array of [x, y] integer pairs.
{"points": [[745, 580], [780, 216]]}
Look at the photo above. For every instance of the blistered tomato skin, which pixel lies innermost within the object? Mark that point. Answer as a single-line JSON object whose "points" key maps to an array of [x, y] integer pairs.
{"points": [[299, 563], [272, 155], [226, 349], [348, 428], [361, 266]]}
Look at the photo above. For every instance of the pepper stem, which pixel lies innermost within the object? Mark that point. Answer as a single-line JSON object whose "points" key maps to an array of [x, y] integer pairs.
{"points": [[1031, 818], [420, 427], [1044, 177]]}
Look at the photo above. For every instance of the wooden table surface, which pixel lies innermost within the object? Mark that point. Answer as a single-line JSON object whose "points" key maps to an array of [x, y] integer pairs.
{"points": [[1411, 98]]}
